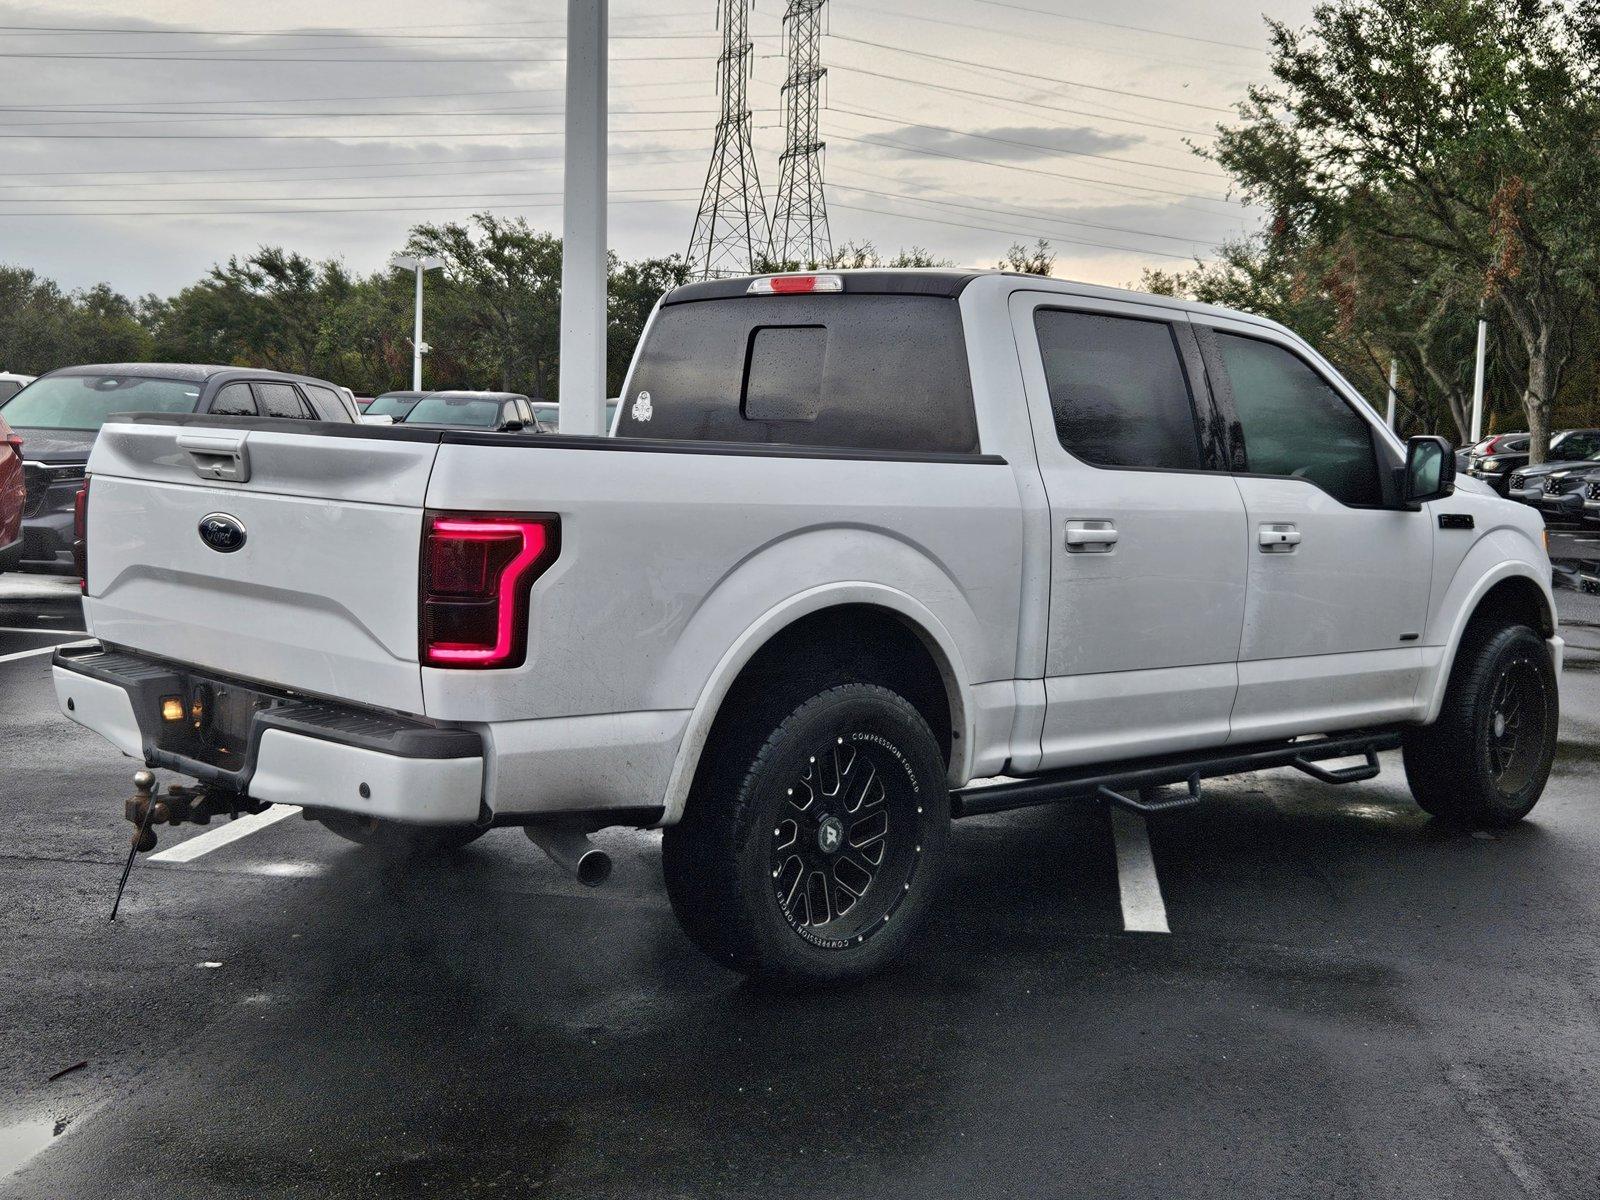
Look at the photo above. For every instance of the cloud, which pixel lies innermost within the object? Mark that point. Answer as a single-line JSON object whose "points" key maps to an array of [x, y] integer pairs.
{"points": [[1007, 143]]}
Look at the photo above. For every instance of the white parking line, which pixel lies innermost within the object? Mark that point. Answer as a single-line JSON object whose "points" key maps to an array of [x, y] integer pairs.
{"points": [[215, 839], [5, 658], [1142, 908]]}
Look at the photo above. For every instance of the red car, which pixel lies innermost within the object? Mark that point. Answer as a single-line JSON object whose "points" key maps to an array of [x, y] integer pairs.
{"points": [[12, 494]]}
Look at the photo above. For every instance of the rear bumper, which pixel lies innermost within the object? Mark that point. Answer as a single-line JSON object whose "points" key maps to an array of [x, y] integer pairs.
{"points": [[288, 750]]}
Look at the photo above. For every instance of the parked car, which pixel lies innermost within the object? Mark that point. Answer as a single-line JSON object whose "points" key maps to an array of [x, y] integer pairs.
{"points": [[393, 404], [11, 384], [1529, 484], [1561, 492], [13, 493], [860, 540], [1569, 445], [1491, 459], [502, 412], [59, 414], [1591, 496], [549, 414]]}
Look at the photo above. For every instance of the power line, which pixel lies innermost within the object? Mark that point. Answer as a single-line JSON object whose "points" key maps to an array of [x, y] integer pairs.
{"points": [[1077, 112], [377, 35], [319, 199], [1093, 87], [289, 212], [177, 56], [1187, 37], [984, 162], [1026, 214], [1014, 232], [989, 137], [333, 137]]}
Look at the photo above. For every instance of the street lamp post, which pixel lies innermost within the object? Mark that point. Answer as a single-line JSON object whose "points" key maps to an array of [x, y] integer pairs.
{"points": [[583, 223], [418, 263], [1477, 378]]}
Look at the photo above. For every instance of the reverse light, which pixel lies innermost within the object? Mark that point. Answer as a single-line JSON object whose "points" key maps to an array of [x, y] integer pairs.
{"points": [[794, 285], [476, 572]]}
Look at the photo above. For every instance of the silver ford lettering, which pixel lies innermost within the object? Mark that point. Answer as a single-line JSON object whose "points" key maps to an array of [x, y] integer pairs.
{"points": [[222, 532]]}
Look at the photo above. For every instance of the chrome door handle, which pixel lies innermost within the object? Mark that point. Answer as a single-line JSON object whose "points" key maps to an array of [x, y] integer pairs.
{"points": [[1091, 537], [1279, 539]]}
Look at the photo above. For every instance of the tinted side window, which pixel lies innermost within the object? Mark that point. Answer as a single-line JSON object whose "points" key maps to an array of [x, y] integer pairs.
{"points": [[329, 405], [9, 388], [1295, 424], [1118, 390], [282, 400], [1579, 445], [852, 370], [234, 400]]}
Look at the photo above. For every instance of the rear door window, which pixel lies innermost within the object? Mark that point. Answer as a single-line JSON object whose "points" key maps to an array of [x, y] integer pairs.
{"points": [[283, 400], [1118, 390], [234, 400], [873, 372], [328, 404]]}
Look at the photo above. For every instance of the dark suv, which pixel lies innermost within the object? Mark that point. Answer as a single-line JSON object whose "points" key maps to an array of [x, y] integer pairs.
{"points": [[59, 414]]}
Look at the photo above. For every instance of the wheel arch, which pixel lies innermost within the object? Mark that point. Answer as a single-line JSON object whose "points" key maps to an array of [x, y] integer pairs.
{"points": [[854, 615], [1509, 591]]}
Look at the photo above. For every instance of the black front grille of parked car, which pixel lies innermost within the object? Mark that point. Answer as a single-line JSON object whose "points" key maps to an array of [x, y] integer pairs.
{"points": [[1593, 490], [1552, 486], [1518, 480]]}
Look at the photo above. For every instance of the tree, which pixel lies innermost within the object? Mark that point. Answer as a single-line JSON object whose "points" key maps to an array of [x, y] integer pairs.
{"points": [[632, 292], [1458, 134], [1040, 260], [503, 290]]}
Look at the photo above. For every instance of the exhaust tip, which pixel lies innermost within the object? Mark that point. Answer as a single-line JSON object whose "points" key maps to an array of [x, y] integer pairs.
{"points": [[594, 868]]}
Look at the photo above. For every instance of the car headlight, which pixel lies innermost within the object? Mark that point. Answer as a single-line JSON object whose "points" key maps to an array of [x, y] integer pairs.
{"points": [[1490, 464]]}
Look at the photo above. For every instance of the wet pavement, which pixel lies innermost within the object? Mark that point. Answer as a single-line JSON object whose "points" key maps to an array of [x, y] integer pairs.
{"points": [[1352, 1001]]}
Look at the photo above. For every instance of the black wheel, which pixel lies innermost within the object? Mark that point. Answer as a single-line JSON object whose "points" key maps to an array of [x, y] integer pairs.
{"points": [[394, 838], [1486, 759], [812, 845]]}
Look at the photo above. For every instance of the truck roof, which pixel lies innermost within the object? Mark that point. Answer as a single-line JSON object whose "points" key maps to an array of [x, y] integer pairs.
{"points": [[949, 282], [188, 372]]}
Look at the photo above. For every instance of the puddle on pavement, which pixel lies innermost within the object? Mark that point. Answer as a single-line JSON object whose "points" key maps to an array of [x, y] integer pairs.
{"points": [[20, 1142]]}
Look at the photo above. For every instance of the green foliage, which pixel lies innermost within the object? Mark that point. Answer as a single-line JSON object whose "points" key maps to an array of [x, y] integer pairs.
{"points": [[1039, 260], [42, 327], [1418, 157]]}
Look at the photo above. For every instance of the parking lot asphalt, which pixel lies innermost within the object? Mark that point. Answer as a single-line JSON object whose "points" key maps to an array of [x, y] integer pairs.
{"points": [[1352, 1001]]}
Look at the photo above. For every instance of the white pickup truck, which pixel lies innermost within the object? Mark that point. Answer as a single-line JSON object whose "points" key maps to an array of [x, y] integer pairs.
{"points": [[858, 540]]}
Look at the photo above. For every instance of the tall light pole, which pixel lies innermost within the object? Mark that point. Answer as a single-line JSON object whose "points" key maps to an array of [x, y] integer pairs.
{"points": [[418, 263], [1394, 382], [583, 223], [1477, 378]]}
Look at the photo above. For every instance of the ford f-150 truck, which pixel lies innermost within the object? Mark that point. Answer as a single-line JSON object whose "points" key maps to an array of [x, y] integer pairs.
{"points": [[859, 540]]}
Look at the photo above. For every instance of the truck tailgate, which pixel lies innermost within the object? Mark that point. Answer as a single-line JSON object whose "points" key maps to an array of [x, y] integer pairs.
{"points": [[320, 596]]}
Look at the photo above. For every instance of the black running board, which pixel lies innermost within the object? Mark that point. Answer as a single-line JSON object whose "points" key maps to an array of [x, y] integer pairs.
{"points": [[1120, 783]]}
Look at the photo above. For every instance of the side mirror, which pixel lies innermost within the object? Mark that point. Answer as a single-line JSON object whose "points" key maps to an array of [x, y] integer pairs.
{"points": [[1430, 472], [511, 426]]}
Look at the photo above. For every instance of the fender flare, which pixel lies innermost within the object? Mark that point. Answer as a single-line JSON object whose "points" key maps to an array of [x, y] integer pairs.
{"points": [[1467, 609], [779, 617]]}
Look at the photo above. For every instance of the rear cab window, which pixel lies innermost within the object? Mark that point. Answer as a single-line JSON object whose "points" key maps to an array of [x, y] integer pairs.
{"points": [[843, 370]]}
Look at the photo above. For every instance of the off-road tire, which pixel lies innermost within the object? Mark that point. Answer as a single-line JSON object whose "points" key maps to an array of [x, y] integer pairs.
{"points": [[1485, 761], [755, 824], [400, 840]]}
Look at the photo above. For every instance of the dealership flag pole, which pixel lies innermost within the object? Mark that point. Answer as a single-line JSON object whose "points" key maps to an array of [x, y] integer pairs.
{"points": [[583, 223]]}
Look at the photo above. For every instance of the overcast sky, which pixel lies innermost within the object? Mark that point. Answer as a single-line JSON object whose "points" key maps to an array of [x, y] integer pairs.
{"points": [[146, 141]]}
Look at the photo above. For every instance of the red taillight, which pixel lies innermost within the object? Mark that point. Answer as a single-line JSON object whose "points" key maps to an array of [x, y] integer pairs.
{"points": [[14, 441], [476, 571], [80, 534]]}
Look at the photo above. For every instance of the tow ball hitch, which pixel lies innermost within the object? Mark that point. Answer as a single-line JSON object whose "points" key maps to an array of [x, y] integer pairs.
{"points": [[177, 805]]}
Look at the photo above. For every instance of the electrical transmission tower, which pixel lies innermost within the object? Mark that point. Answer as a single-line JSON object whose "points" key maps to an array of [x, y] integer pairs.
{"points": [[800, 215], [730, 230]]}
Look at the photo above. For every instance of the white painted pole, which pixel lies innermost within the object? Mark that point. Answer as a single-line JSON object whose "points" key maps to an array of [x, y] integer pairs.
{"points": [[1394, 381], [1477, 382], [416, 336], [583, 223]]}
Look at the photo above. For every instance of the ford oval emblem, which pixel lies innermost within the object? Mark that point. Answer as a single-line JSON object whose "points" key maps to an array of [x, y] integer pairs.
{"points": [[223, 533]]}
